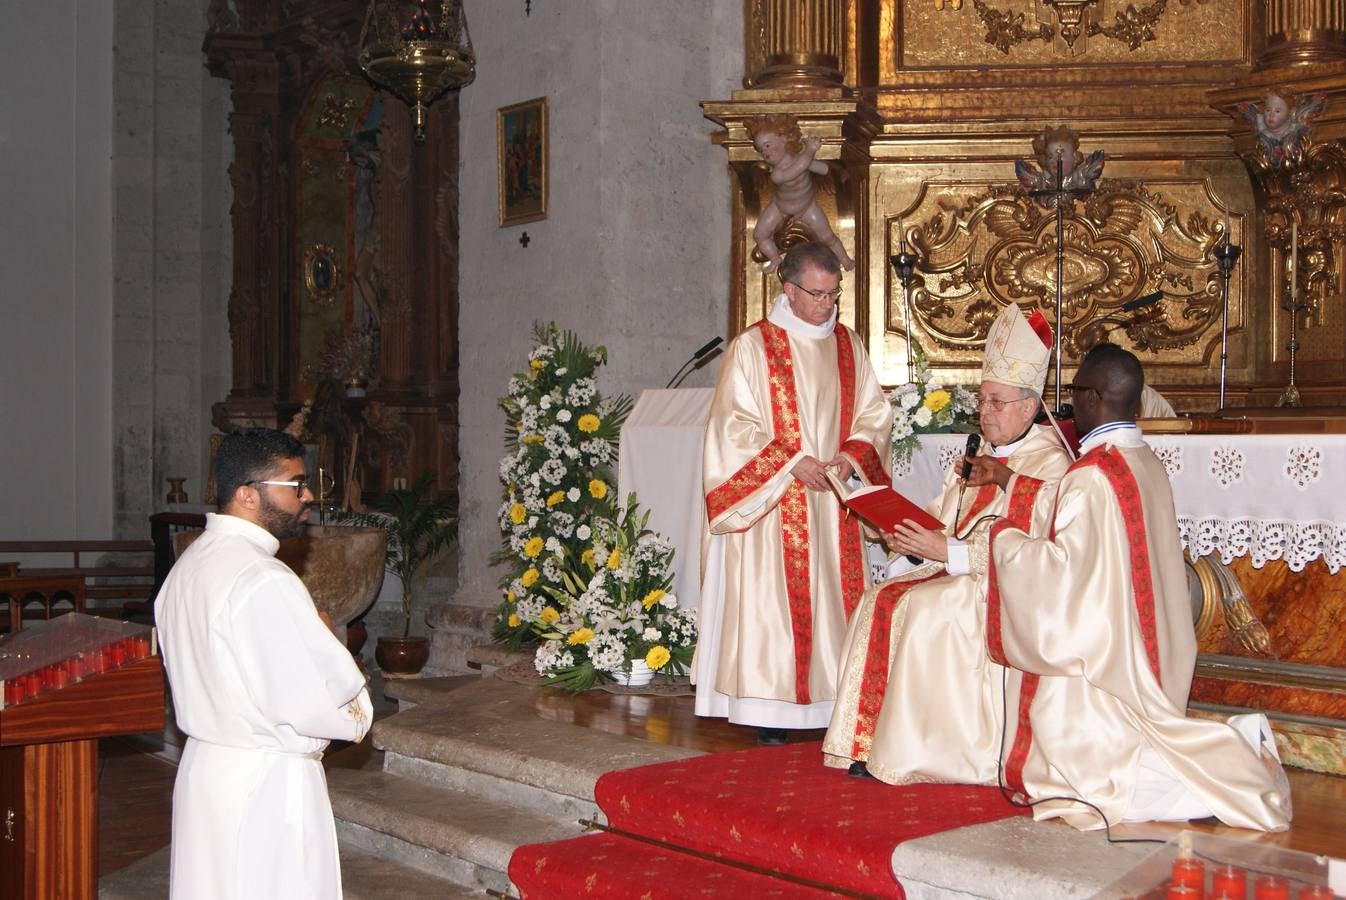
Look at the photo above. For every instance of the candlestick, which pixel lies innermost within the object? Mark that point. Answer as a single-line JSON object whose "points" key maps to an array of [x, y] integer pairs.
{"points": [[1294, 265], [902, 236], [1227, 236]]}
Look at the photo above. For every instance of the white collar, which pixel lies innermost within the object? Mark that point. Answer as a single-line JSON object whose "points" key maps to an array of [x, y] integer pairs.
{"points": [[1003, 450], [1119, 434], [782, 315], [256, 534]]}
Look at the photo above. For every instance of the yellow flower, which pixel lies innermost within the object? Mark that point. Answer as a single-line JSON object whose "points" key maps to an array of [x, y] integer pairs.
{"points": [[533, 547], [538, 365], [614, 559], [517, 513], [580, 636], [657, 657], [549, 615], [936, 400], [587, 557], [588, 423], [529, 576], [510, 596], [652, 597], [598, 489], [555, 498], [532, 439], [514, 620]]}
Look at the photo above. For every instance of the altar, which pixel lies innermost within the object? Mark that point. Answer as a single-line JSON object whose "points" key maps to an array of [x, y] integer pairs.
{"points": [[1260, 514]]}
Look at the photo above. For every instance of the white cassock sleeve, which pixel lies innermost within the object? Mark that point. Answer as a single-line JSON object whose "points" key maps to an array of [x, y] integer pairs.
{"points": [[293, 668]]}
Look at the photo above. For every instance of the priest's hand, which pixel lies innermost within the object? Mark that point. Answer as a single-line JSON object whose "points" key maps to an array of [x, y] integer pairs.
{"points": [[987, 470], [843, 467], [911, 539], [812, 473]]}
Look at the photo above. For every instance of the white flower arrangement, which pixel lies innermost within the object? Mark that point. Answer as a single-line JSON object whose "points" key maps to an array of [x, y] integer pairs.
{"points": [[561, 441], [613, 606], [926, 406]]}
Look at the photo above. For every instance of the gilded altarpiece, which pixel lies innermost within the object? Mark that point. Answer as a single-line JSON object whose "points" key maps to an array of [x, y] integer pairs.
{"points": [[924, 106]]}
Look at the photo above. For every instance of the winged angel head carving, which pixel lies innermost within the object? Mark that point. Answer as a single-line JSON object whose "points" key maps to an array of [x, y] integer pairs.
{"points": [[1078, 173], [1282, 125]]}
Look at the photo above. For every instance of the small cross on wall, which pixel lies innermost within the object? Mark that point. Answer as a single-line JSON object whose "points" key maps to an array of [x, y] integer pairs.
{"points": [[524, 240]]}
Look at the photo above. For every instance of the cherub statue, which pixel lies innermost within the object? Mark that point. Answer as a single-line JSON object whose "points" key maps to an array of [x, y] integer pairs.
{"points": [[791, 158], [1077, 172], [1282, 134]]}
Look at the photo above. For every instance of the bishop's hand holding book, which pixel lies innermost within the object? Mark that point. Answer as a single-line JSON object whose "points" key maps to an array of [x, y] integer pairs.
{"points": [[884, 508]]}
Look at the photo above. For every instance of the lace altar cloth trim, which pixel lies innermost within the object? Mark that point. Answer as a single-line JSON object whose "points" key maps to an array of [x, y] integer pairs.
{"points": [[1266, 497], [1264, 540]]}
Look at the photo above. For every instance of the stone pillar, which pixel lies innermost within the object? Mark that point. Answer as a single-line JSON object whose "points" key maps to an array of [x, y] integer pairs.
{"points": [[794, 43], [1301, 32]]}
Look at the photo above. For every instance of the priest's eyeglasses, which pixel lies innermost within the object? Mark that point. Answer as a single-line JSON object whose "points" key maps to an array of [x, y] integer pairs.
{"points": [[299, 484], [994, 404], [826, 296]]}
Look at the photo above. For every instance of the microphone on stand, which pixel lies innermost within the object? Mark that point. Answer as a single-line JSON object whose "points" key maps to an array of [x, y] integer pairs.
{"points": [[694, 363]]}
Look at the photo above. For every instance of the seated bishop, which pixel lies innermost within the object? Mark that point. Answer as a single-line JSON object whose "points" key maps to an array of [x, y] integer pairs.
{"points": [[919, 700]]}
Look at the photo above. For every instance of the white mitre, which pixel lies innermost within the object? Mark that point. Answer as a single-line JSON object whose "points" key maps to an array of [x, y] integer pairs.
{"points": [[1018, 353]]}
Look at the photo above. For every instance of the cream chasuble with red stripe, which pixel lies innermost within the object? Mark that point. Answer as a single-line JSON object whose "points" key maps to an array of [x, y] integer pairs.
{"points": [[1096, 625], [793, 566]]}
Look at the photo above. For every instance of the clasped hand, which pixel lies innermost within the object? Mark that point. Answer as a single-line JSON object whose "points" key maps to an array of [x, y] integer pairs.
{"points": [[812, 472]]}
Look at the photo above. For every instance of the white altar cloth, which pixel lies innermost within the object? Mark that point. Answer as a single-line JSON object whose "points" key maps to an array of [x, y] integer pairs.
{"points": [[660, 459], [1268, 497]]}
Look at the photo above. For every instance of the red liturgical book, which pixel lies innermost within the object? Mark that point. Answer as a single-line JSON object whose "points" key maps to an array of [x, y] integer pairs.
{"points": [[881, 506]]}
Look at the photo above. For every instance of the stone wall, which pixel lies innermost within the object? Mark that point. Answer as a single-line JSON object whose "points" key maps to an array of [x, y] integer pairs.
{"points": [[632, 253], [169, 169], [56, 251]]}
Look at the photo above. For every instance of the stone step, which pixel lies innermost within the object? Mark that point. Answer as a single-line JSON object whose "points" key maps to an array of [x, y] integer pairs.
{"points": [[491, 728], [364, 876], [452, 834]]}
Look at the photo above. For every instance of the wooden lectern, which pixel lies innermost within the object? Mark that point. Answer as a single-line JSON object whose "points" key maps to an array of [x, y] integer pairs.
{"points": [[49, 777]]}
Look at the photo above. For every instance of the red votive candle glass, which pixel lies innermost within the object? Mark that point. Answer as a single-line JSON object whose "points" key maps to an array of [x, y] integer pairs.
{"points": [[1317, 892], [1190, 872], [13, 692], [1271, 887], [1229, 881]]}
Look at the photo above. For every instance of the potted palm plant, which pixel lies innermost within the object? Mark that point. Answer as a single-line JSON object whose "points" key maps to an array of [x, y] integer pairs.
{"points": [[418, 526]]}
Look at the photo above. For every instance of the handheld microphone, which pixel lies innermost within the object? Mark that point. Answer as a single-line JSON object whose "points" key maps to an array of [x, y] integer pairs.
{"points": [[973, 445], [697, 357]]}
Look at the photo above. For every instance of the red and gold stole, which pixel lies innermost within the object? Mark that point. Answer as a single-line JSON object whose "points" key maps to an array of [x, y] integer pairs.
{"points": [[874, 682], [1020, 516]]}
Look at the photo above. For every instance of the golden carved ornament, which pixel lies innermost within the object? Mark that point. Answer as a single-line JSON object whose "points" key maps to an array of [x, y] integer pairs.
{"points": [[335, 113], [995, 247], [1313, 196]]}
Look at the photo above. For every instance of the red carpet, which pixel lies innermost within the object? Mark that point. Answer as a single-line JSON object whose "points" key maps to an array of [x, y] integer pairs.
{"points": [[774, 808]]}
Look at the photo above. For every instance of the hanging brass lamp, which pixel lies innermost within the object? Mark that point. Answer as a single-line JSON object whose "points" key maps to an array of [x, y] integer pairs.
{"points": [[417, 54]]}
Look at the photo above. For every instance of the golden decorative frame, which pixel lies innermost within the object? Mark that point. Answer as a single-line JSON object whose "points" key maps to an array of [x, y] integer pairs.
{"points": [[512, 126], [322, 288]]}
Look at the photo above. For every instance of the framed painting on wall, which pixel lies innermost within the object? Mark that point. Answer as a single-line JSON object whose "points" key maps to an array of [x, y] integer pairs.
{"points": [[521, 161]]}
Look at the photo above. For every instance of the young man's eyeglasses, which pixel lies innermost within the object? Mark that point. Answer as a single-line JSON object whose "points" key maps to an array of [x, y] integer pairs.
{"points": [[299, 484], [828, 296], [1082, 388]]}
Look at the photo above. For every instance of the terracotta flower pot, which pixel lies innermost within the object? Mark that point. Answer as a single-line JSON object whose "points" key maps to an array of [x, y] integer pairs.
{"points": [[402, 656], [356, 635]]}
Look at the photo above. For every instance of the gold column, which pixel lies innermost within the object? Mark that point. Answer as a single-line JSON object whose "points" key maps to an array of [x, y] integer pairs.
{"points": [[1301, 32], [794, 43]]}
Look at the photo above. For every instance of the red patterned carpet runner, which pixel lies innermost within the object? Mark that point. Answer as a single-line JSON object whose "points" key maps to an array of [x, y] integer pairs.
{"points": [[771, 809]]}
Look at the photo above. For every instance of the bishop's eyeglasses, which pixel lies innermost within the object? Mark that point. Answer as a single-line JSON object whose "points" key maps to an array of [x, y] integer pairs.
{"points": [[994, 404]]}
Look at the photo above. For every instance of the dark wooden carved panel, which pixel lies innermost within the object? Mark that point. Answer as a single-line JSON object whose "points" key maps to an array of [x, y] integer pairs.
{"points": [[345, 239]]}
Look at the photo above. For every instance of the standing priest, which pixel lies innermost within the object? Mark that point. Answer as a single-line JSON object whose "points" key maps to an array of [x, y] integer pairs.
{"points": [[784, 568], [918, 699], [260, 685]]}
